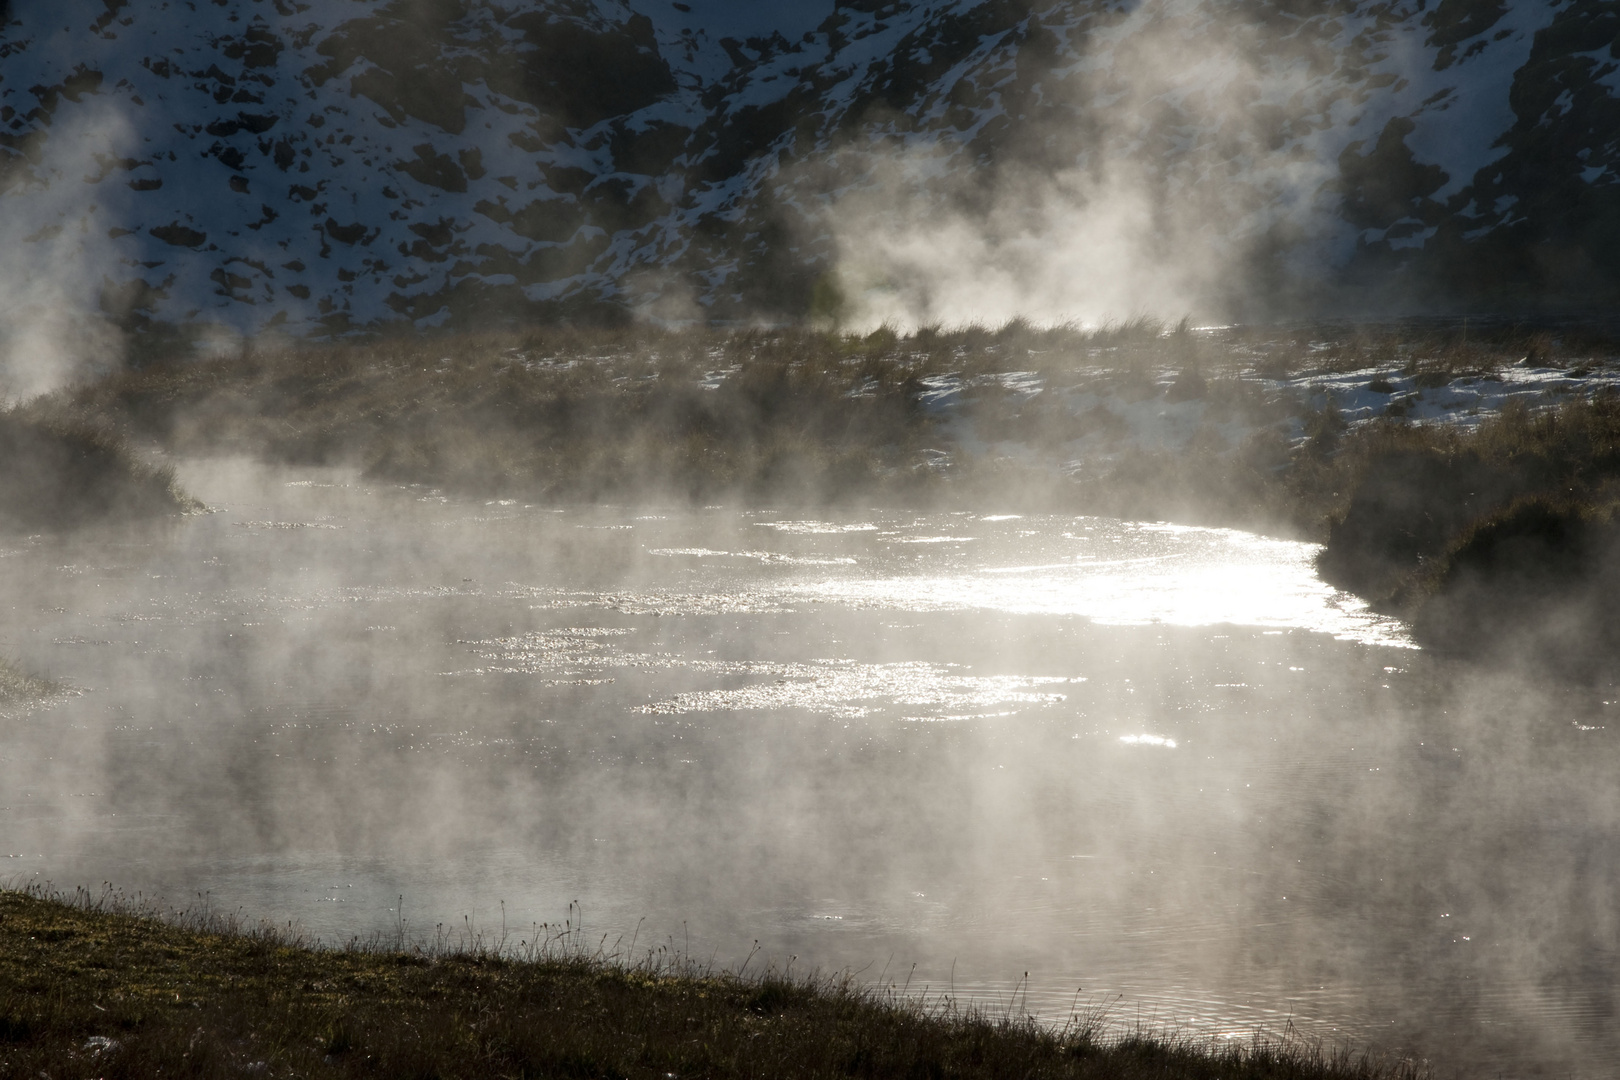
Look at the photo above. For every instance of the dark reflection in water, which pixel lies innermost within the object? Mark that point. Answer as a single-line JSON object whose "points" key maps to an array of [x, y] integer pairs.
{"points": [[873, 741]]}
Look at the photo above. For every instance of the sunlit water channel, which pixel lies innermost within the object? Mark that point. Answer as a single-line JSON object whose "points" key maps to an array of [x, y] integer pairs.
{"points": [[1165, 771]]}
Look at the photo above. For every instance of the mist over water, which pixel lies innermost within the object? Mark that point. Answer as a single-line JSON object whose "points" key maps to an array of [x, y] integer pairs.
{"points": [[1161, 767]]}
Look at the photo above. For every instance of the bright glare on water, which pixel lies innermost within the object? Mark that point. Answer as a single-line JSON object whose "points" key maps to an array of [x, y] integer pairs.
{"points": [[1118, 573], [1166, 771]]}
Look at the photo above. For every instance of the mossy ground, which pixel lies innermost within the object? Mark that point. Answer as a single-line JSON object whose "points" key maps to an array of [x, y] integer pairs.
{"points": [[90, 988]]}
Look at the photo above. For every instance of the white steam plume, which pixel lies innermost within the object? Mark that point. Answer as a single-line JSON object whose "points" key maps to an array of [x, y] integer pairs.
{"points": [[57, 257], [1193, 163]]}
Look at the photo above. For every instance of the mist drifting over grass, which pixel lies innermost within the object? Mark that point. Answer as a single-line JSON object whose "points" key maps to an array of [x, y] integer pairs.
{"points": [[613, 615], [1388, 443]]}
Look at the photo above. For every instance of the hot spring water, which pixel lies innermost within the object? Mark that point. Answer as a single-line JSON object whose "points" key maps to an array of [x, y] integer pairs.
{"points": [[1165, 771]]}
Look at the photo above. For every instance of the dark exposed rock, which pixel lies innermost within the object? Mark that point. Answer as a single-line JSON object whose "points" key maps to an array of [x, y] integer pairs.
{"points": [[560, 64], [1386, 184], [351, 234], [179, 235], [435, 169]]}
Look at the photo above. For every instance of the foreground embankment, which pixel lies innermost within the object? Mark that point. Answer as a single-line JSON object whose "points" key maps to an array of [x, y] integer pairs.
{"points": [[92, 987]]}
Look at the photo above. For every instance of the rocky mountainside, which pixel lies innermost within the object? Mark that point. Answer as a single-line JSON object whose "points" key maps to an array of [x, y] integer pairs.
{"points": [[331, 164]]}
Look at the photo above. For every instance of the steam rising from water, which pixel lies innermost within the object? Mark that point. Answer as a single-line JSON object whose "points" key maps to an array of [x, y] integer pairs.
{"points": [[55, 264], [326, 695], [1163, 192], [1050, 249]]}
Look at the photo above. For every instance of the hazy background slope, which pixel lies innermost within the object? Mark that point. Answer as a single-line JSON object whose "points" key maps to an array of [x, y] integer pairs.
{"points": [[327, 164]]}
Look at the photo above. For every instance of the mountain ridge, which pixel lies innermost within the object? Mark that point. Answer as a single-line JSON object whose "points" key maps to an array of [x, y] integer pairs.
{"points": [[328, 165]]}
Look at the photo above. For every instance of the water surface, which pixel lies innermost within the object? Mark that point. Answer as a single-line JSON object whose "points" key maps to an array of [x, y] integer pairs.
{"points": [[1162, 770]]}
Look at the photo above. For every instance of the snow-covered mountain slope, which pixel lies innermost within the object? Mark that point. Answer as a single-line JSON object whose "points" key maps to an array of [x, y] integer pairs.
{"points": [[343, 163]]}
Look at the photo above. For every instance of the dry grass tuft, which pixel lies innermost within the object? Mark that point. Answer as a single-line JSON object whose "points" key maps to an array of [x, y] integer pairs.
{"points": [[1411, 493]]}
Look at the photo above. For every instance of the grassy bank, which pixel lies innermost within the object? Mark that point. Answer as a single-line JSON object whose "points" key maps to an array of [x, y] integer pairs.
{"points": [[88, 987], [62, 472], [558, 415], [1500, 542], [1416, 494], [1014, 417]]}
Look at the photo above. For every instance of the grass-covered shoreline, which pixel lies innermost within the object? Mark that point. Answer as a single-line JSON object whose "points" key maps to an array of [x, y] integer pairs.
{"points": [[1500, 543], [1495, 537], [1140, 419], [61, 472], [95, 986]]}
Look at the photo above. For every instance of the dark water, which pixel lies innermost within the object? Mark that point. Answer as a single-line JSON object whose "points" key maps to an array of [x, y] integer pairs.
{"points": [[1161, 770]]}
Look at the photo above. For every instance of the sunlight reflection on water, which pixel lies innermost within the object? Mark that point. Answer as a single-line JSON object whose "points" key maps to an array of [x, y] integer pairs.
{"points": [[1194, 577], [1114, 573]]}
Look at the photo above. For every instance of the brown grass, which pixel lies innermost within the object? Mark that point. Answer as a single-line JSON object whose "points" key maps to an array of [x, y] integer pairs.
{"points": [[627, 414], [561, 415], [61, 472], [1403, 495], [1530, 585], [796, 416], [90, 986]]}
